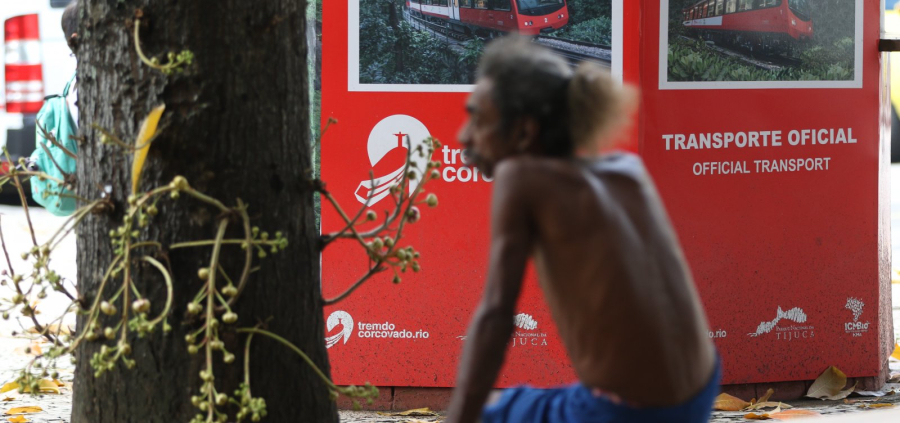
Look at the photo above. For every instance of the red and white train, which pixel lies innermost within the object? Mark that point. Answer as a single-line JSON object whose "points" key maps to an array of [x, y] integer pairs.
{"points": [[490, 17], [770, 23]]}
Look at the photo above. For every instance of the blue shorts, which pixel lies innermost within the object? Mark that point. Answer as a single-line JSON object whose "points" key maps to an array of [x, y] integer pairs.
{"points": [[576, 404]]}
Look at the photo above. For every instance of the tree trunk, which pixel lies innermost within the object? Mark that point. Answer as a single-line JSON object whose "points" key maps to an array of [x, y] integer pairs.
{"points": [[236, 125]]}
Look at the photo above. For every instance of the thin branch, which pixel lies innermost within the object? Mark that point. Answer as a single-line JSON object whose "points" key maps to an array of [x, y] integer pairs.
{"points": [[248, 258], [294, 348], [12, 274], [169, 290], [379, 267], [50, 137]]}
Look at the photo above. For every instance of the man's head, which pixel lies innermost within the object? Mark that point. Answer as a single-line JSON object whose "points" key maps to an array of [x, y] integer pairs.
{"points": [[528, 100], [70, 25]]}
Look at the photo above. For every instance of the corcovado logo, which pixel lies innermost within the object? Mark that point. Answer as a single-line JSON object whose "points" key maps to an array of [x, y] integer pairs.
{"points": [[386, 330], [786, 333], [339, 318], [391, 141]]}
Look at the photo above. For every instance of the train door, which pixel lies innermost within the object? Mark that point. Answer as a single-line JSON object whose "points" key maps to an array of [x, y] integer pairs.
{"points": [[454, 10]]}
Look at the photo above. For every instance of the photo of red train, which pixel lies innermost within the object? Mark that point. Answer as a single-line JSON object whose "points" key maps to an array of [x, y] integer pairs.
{"points": [[767, 24], [762, 40], [494, 17], [411, 45]]}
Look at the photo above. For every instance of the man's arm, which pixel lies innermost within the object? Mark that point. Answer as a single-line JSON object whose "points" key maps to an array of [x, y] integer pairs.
{"points": [[512, 235]]}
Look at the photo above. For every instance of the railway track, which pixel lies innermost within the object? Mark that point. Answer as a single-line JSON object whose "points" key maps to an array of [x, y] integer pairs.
{"points": [[437, 29], [772, 62], [574, 52]]}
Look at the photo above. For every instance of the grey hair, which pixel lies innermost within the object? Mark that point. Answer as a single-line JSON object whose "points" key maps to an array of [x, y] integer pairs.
{"points": [[575, 110], [70, 24]]}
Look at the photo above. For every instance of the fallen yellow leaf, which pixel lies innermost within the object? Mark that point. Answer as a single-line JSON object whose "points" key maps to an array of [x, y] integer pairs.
{"points": [[7, 399], [59, 383], [879, 405], [754, 416], [767, 404], [793, 414], [142, 144], [766, 397], [45, 386], [725, 402], [829, 384], [18, 419], [53, 328], [896, 353], [33, 349], [417, 412], [25, 410]]}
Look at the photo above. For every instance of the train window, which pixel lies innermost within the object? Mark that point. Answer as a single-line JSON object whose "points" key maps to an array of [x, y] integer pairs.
{"points": [[759, 4], [770, 3], [711, 8], [731, 6], [481, 4], [745, 5], [501, 5], [465, 3], [720, 7], [800, 8]]}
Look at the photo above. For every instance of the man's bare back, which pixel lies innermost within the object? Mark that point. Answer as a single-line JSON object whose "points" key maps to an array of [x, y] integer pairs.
{"points": [[614, 277], [608, 259]]}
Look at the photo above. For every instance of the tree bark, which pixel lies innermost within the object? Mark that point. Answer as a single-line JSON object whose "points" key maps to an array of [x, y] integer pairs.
{"points": [[236, 125]]}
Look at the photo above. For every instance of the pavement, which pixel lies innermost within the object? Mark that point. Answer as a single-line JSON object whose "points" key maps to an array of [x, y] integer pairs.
{"points": [[56, 408]]}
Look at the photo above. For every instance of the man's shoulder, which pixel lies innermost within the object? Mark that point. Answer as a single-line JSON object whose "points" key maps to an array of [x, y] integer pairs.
{"points": [[531, 173], [536, 169]]}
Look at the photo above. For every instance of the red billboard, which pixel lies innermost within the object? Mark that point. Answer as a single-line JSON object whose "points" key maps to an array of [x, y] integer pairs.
{"points": [[762, 124], [411, 334], [764, 141]]}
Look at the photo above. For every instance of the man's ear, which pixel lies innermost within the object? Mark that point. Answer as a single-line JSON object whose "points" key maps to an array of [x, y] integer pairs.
{"points": [[526, 133]]}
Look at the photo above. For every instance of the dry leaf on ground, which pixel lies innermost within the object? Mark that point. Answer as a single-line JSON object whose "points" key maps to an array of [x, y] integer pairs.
{"points": [[896, 353], [793, 414], [25, 410], [53, 328], [894, 377], [879, 405], [767, 404], [7, 399], [766, 397], [830, 385], [417, 412], [45, 386], [754, 416], [725, 402], [870, 393], [18, 419], [33, 349]]}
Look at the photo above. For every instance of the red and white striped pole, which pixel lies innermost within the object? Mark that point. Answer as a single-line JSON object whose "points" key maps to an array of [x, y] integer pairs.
{"points": [[24, 72]]}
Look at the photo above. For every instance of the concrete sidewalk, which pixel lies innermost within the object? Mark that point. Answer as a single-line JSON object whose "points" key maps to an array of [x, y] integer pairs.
{"points": [[830, 411]]}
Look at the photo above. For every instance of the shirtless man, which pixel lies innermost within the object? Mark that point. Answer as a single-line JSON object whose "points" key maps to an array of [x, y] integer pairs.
{"points": [[608, 260]]}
